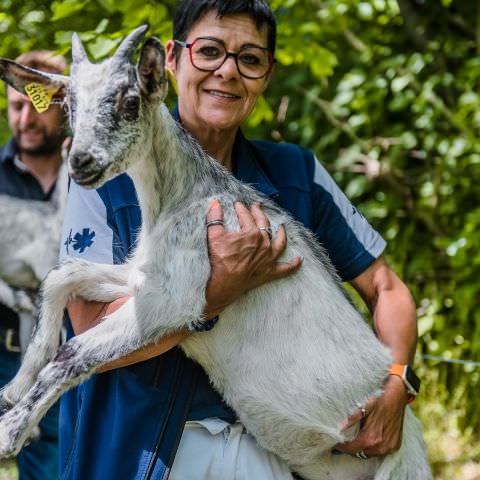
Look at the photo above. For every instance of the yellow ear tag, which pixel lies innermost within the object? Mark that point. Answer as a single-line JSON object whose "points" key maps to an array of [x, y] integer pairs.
{"points": [[173, 80], [40, 95]]}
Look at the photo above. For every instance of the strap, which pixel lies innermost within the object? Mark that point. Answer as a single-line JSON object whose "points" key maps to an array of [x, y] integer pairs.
{"points": [[398, 370], [188, 401], [179, 403]]}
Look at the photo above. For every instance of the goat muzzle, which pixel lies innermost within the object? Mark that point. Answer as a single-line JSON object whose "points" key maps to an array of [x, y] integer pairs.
{"points": [[81, 160]]}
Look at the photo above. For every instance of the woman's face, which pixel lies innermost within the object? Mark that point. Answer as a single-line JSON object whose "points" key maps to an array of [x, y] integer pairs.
{"points": [[222, 99]]}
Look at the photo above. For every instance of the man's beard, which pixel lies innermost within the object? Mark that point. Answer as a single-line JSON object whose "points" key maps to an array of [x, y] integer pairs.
{"points": [[51, 143]]}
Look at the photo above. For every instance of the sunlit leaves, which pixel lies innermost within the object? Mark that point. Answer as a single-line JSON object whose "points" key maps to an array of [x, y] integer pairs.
{"points": [[66, 8]]}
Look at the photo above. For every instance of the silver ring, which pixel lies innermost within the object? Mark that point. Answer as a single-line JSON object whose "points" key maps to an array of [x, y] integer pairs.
{"points": [[211, 223], [268, 230], [361, 455], [364, 412]]}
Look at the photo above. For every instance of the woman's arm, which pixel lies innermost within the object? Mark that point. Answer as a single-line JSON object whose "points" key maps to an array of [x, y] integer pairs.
{"points": [[394, 316], [85, 315]]}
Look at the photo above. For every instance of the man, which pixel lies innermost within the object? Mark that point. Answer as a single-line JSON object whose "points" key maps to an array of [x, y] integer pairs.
{"points": [[29, 165]]}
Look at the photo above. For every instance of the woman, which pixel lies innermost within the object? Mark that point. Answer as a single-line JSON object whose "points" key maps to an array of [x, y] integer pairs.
{"points": [[126, 423]]}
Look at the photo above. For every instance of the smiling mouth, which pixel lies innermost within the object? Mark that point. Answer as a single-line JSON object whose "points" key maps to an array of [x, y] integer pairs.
{"points": [[217, 93], [31, 132]]}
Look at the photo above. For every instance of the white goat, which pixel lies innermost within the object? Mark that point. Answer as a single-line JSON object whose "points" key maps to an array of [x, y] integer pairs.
{"points": [[293, 358], [30, 233]]}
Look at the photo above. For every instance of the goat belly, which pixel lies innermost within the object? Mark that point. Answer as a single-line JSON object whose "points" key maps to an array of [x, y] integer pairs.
{"points": [[278, 365]]}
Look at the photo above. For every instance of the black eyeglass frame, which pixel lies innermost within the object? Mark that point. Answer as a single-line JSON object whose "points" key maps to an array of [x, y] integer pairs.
{"points": [[271, 58]]}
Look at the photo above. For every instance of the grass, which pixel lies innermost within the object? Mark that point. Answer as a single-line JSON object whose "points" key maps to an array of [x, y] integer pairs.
{"points": [[8, 470]]}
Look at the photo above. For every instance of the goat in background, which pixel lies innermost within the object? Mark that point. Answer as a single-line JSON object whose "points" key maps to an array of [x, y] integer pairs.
{"points": [[291, 387], [30, 233]]}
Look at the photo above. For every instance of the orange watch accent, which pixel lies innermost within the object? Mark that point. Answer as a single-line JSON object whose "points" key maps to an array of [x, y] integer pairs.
{"points": [[404, 372], [396, 369]]}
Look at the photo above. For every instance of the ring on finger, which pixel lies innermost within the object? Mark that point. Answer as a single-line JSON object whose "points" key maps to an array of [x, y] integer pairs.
{"points": [[211, 223], [268, 230], [363, 410], [361, 455]]}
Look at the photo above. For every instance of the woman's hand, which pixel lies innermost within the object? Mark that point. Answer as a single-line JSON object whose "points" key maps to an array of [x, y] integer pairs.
{"points": [[241, 261], [381, 426]]}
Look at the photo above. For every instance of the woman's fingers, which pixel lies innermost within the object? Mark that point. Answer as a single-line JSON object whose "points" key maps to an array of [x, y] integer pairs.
{"points": [[245, 218], [214, 221]]}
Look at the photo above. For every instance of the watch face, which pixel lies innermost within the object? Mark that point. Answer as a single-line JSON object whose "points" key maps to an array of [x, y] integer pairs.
{"points": [[412, 379]]}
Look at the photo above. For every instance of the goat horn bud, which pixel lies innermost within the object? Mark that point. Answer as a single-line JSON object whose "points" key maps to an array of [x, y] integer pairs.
{"points": [[78, 51], [128, 46]]}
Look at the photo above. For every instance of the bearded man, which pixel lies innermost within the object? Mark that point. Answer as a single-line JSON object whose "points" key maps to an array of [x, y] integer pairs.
{"points": [[29, 166]]}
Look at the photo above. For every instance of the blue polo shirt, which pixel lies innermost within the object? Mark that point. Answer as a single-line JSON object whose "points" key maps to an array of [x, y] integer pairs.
{"points": [[122, 424]]}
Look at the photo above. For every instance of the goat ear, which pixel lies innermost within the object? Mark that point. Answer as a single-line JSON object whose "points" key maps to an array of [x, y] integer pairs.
{"points": [[19, 76], [151, 69]]}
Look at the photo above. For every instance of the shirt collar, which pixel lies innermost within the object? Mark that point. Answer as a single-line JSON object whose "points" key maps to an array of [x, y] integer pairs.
{"points": [[247, 168], [245, 163], [19, 164]]}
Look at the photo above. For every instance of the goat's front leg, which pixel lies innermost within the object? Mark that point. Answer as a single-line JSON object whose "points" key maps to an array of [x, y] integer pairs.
{"points": [[75, 278], [116, 336], [16, 299]]}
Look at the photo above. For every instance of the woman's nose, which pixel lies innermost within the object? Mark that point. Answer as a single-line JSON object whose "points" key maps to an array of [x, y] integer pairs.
{"points": [[228, 69]]}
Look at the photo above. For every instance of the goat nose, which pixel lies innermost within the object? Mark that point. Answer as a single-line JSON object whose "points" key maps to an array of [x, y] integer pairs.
{"points": [[81, 160]]}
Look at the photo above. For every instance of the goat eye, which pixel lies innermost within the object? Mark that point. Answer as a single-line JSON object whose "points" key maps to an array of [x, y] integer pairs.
{"points": [[132, 103], [130, 107]]}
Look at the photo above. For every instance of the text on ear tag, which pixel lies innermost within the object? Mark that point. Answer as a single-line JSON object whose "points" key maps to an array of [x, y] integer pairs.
{"points": [[40, 95]]}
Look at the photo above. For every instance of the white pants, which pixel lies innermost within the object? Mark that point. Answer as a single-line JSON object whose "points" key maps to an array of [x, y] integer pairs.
{"points": [[215, 450]]}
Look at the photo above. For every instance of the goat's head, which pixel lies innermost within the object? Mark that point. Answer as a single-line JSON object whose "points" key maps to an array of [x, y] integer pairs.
{"points": [[109, 103]]}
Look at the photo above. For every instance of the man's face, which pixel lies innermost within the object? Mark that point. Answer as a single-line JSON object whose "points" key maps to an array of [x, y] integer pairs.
{"points": [[35, 133]]}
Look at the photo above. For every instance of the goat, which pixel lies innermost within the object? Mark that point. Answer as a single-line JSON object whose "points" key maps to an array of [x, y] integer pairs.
{"points": [[290, 387], [30, 231]]}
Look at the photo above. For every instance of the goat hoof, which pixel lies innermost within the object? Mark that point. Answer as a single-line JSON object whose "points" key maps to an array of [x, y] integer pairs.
{"points": [[7, 445], [23, 302], [33, 436]]}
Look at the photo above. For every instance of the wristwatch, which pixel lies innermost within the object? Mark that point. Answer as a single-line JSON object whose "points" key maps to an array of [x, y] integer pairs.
{"points": [[410, 380]]}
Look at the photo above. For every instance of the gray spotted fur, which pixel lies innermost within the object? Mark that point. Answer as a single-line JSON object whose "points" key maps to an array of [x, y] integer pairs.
{"points": [[293, 357]]}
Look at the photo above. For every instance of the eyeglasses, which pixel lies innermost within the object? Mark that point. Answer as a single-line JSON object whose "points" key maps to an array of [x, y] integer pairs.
{"points": [[209, 54]]}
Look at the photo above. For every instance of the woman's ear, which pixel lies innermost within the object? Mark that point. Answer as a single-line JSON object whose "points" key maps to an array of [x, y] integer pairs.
{"points": [[171, 59]]}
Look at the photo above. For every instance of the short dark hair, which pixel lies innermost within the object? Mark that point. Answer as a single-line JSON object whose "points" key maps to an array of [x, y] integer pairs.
{"points": [[188, 12]]}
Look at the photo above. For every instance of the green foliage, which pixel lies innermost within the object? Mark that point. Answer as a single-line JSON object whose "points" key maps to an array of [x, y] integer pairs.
{"points": [[385, 92]]}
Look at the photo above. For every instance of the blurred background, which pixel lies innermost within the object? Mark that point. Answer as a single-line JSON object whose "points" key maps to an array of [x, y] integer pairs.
{"points": [[385, 92]]}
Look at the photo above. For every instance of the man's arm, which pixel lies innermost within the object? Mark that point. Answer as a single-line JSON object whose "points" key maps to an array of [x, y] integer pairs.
{"points": [[394, 317], [240, 261]]}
